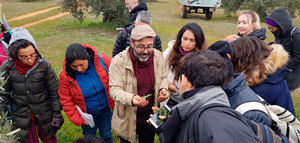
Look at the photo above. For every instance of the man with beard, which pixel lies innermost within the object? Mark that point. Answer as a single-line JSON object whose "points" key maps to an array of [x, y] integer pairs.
{"points": [[137, 82], [134, 7], [280, 24]]}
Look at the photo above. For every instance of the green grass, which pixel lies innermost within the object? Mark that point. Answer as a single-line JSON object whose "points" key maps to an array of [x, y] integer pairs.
{"points": [[54, 36], [18, 23], [13, 8]]}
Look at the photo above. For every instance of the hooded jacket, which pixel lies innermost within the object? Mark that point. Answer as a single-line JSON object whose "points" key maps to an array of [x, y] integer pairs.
{"points": [[123, 41], [290, 43], [134, 12], [272, 85], [259, 33], [238, 93], [71, 94], [218, 125], [35, 91]]}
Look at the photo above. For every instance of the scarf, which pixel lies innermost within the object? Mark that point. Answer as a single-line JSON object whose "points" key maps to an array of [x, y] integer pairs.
{"points": [[23, 68], [182, 52]]}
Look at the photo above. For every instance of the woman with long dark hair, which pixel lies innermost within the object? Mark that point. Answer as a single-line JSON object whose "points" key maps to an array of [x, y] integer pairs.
{"points": [[264, 69], [190, 38]]}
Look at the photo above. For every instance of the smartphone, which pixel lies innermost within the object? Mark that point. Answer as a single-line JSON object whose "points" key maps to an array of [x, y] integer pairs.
{"points": [[155, 120]]}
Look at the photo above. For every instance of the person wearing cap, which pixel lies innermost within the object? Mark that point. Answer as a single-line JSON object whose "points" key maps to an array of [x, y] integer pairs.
{"points": [[136, 72], [31, 91], [83, 83], [280, 24], [123, 39]]}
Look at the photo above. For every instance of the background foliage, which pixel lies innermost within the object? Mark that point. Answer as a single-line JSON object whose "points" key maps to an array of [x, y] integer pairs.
{"points": [[262, 7], [113, 11]]}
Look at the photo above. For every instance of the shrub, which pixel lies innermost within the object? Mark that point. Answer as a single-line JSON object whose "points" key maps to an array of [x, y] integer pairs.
{"points": [[262, 7], [113, 11]]}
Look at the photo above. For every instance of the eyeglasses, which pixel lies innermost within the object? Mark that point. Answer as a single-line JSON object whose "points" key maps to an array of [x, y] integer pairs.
{"points": [[25, 57], [143, 47]]}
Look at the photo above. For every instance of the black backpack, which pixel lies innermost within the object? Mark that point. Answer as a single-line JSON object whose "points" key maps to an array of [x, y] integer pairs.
{"points": [[263, 132]]}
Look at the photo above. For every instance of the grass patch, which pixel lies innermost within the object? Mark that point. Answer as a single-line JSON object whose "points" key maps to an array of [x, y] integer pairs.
{"points": [[19, 23], [54, 36], [13, 8]]}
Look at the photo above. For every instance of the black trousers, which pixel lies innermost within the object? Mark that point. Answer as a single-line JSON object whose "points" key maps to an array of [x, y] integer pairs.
{"points": [[145, 134]]}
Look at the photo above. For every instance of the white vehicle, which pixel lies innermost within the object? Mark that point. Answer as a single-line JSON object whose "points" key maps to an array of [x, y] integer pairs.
{"points": [[195, 6]]}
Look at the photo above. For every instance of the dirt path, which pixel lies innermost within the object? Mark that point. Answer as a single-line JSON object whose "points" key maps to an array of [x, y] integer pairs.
{"points": [[32, 14], [45, 19]]}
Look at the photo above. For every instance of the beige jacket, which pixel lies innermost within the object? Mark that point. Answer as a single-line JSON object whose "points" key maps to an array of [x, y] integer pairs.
{"points": [[123, 86]]}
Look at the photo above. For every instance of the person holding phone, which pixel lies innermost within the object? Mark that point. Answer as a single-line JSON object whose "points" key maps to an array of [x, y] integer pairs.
{"points": [[135, 73], [200, 85]]}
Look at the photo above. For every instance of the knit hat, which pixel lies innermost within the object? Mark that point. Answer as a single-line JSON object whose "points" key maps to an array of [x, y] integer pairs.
{"points": [[223, 48], [76, 51], [141, 31], [271, 22]]}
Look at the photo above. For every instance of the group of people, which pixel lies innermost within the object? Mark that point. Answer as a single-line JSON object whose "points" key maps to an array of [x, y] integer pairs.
{"points": [[99, 93]]}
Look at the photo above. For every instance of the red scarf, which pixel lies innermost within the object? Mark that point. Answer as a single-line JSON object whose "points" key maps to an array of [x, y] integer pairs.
{"points": [[183, 52], [23, 68]]}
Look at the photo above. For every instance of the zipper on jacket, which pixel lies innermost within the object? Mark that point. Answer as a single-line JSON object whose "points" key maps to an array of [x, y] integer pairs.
{"points": [[96, 89]]}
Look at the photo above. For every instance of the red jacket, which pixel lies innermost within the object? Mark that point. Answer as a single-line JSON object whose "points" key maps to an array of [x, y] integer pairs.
{"points": [[70, 92]]}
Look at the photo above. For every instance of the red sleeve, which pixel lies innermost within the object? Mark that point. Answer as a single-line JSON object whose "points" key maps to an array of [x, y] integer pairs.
{"points": [[68, 103]]}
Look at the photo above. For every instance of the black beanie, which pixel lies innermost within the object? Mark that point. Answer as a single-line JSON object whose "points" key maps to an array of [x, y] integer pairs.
{"points": [[75, 51], [223, 48]]}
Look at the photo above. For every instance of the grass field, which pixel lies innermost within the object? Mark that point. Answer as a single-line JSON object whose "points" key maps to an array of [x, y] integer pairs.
{"points": [[54, 36]]}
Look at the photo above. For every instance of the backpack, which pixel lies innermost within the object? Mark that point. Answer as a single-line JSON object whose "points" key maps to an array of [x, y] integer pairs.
{"points": [[291, 34], [102, 63], [262, 132], [283, 121]]}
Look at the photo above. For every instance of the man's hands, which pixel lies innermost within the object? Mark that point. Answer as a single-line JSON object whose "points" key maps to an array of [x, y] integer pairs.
{"points": [[163, 95], [139, 101], [142, 102]]}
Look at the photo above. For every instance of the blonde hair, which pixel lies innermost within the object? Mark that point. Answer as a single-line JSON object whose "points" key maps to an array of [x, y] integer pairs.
{"points": [[254, 18]]}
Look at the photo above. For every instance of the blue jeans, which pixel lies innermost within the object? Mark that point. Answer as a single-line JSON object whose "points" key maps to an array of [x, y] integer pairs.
{"points": [[102, 119]]}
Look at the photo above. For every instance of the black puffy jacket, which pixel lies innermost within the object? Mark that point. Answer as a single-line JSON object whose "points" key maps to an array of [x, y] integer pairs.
{"points": [[133, 14], [36, 92], [123, 41], [259, 33], [290, 40]]}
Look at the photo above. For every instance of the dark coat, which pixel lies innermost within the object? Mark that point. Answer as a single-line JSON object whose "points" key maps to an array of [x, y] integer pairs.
{"points": [[275, 90], [259, 33], [36, 92], [238, 93], [290, 43], [133, 14], [218, 125], [123, 41]]}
